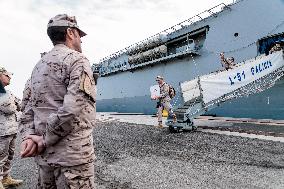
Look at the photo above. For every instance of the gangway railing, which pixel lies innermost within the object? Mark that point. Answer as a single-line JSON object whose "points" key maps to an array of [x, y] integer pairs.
{"points": [[210, 91]]}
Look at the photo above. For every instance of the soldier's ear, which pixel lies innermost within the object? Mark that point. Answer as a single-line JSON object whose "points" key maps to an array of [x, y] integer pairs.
{"points": [[69, 33]]}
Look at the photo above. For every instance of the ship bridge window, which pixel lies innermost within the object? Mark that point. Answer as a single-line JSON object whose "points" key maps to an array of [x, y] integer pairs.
{"points": [[265, 44], [192, 41]]}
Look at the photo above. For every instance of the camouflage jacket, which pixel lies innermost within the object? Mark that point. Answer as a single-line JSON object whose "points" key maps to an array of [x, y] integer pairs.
{"points": [[164, 93], [26, 94], [61, 107], [9, 107], [227, 64]]}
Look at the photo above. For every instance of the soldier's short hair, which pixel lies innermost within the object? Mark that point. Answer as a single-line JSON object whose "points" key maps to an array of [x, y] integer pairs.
{"points": [[57, 34]]}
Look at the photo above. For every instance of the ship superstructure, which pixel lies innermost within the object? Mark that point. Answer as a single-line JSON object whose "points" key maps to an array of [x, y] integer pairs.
{"points": [[243, 30]]}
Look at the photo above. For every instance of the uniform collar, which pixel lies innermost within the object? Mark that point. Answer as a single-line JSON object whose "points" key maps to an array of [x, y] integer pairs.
{"points": [[60, 46], [162, 84]]}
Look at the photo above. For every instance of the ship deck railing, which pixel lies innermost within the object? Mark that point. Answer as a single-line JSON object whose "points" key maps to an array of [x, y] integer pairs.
{"points": [[186, 23], [133, 67]]}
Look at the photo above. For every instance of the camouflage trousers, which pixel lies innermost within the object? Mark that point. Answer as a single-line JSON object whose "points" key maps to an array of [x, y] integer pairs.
{"points": [[167, 106], [75, 177], [7, 149]]}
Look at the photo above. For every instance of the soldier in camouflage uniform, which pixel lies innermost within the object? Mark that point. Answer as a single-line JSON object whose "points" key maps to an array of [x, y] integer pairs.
{"points": [[9, 106], [276, 47], [164, 100], [227, 63], [58, 120]]}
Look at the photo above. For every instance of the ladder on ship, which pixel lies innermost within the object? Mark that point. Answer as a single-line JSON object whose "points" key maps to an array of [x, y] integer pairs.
{"points": [[210, 91]]}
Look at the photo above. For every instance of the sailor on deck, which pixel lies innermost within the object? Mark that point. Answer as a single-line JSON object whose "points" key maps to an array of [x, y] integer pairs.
{"points": [[276, 47], [227, 63]]}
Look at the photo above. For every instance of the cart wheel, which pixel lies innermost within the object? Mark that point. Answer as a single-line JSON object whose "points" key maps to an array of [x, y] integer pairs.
{"points": [[171, 129], [194, 128]]}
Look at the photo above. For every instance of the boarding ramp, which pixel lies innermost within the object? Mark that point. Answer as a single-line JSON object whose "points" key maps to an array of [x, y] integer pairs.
{"points": [[210, 91]]}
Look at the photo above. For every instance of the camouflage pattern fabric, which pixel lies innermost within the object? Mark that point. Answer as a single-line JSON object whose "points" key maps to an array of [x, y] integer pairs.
{"points": [[9, 106], [227, 63], [56, 177], [7, 149], [61, 107], [26, 94], [65, 20], [164, 93], [167, 106], [164, 101]]}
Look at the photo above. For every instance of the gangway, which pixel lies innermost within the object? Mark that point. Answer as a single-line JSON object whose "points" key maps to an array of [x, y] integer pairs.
{"points": [[210, 91]]}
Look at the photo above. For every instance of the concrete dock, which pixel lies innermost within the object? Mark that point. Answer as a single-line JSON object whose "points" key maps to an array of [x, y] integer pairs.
{"points": [[132, 154]]}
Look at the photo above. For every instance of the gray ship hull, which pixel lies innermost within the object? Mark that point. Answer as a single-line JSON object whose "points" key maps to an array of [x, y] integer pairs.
{"points": [[237, 32], [266, 105]]}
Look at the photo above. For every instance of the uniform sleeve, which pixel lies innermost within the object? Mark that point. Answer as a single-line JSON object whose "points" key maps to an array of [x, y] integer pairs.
{"points": [[8, 106], [26, 95], [18, 104], [80, 90], [224, 62], [26, 125]]}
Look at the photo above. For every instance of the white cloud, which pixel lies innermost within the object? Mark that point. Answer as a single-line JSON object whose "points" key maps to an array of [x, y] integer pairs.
{"points": [[110, 24]]}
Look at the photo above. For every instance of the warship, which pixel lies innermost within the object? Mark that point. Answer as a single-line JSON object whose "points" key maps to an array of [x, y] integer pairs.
{"points": [[244, 29]]}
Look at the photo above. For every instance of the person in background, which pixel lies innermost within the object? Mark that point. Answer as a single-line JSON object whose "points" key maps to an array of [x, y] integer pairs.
{"points": [[276, 47], [163, 100], [227, 63], [9, 106]]}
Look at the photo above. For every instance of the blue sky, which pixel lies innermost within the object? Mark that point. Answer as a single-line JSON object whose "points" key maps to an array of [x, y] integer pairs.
{"points": [[111, 25]]}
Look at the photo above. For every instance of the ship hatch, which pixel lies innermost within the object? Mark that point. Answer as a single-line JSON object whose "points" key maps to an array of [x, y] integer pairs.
{"points": [[266, 43], [161, 49], [185, 44], [190, 41]]}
